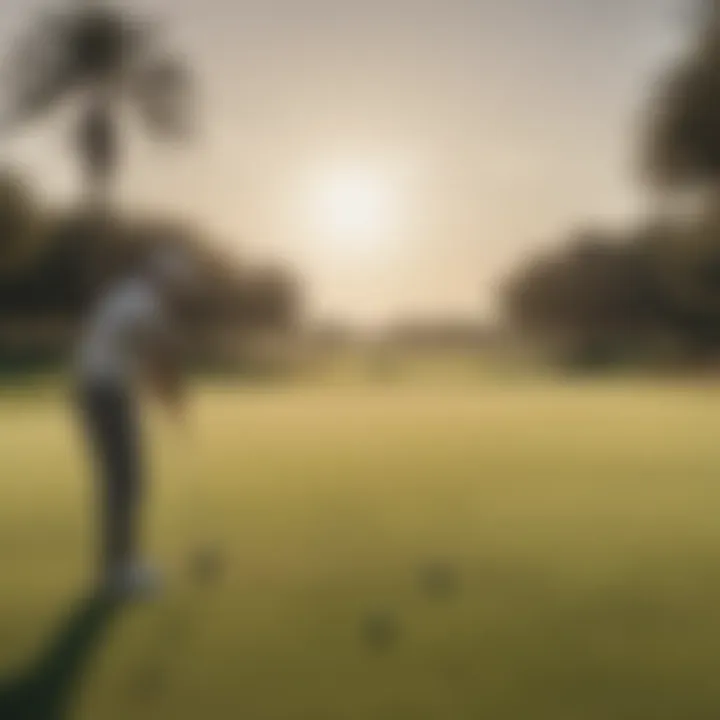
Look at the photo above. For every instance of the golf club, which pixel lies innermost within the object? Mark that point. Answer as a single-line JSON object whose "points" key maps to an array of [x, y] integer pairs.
{"points": [[204, 561], [198, 556]]}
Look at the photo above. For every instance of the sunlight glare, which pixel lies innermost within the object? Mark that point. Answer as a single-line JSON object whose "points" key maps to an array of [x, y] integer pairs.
{"points": [[353, 206]]}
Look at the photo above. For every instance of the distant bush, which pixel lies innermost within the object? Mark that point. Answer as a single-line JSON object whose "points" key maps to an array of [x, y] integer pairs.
{"points": [[602, 300]]}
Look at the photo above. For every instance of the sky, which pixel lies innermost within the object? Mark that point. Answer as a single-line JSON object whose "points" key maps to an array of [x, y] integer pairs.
{"points": [[404, 155]]}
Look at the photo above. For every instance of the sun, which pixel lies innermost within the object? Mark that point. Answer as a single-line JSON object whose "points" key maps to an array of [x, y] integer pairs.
{"points": [[353, 206]]}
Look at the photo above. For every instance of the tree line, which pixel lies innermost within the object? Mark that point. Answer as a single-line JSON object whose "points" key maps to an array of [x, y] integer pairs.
{"points": [[651, 293], [53, 262]]}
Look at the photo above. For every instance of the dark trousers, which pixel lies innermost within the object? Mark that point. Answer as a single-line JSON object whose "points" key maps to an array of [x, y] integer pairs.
{"points": [[111, 423]]}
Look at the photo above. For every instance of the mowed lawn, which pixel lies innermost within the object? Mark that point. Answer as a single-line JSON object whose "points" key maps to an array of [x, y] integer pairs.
{"points": [[577, 527]]}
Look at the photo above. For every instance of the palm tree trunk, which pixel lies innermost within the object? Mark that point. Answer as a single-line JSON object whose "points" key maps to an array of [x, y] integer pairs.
{"points": [[98, 150], [98, 155]]}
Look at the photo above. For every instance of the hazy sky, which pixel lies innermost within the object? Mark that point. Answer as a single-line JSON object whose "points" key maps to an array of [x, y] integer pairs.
{"points": [[492, 125]]}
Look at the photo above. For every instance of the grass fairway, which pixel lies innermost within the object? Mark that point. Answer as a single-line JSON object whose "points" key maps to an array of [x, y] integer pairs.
{"points": [[582, 521]]}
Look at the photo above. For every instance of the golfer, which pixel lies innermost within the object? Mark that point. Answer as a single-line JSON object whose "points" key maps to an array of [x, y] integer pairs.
{"points": [[130, 338]]}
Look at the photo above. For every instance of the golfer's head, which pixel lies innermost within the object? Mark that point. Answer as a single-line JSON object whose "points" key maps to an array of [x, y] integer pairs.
{"points": [[173, 271]]}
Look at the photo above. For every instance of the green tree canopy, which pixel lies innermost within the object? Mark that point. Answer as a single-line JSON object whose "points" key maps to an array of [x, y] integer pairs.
{"points": [[683, 147]]}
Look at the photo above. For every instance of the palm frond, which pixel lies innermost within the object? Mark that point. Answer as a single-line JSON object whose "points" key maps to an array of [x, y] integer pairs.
{"points": [[37, 72], [163, 93], [101, 42]]}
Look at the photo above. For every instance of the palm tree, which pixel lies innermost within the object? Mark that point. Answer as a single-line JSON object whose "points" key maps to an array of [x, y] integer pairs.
{"points": [[684, 141], [103, 61]]}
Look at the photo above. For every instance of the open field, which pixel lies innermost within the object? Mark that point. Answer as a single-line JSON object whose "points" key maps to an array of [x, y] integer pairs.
{"points": [[578, 524]]}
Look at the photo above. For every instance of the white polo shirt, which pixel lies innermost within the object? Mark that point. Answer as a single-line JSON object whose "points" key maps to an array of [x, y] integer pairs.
{"points": [[127, 321]]}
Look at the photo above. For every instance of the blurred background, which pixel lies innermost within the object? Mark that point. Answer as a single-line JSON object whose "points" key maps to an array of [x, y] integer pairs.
{"points": [[453, 350], [395, 169]]}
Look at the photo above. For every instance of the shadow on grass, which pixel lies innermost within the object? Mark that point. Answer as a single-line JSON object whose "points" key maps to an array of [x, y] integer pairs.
{"points": [[46, 689]]}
